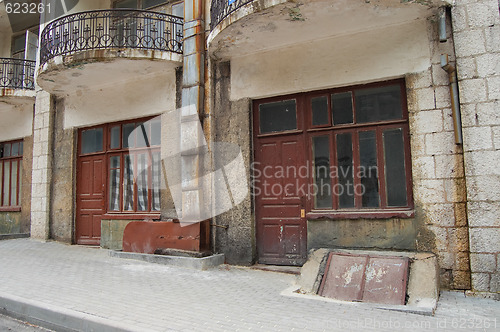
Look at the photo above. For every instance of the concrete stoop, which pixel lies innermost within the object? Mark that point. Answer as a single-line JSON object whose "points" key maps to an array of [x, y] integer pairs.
{"points": [[198, 263], [57, 318], [422, 289]]}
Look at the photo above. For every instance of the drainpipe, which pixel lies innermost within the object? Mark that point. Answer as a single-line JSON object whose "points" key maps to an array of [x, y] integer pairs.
{"points": [[192, 137], [455, 104], [461, 190], [443, 38], [452, 76]]}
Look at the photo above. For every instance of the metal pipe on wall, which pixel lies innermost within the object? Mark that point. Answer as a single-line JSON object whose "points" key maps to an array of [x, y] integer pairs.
{"points": [[455, 103]]}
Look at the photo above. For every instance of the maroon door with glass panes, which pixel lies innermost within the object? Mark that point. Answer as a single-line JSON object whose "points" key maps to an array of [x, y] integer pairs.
{"points": [[90, 189], [118, 175], [279, 196]]}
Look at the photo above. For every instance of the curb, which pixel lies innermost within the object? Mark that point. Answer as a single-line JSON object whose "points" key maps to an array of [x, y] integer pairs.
{"points": [[58, 318]]}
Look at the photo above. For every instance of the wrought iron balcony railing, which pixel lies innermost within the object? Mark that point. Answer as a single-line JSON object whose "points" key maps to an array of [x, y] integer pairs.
{"points": [[220, 9], [17, 74], [112, 28]]}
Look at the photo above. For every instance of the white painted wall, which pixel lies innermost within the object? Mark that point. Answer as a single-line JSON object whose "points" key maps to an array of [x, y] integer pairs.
{"points": [[358, 58], [152, 96], [16, 122]]}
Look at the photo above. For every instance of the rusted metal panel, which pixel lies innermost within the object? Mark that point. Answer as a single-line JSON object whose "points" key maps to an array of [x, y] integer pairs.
{"points": [[344, 277], [378, 279], [386, 279], [148, 236]]}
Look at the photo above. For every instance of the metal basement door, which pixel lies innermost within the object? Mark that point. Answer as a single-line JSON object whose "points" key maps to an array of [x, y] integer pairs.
{"points": [[279, 205]]}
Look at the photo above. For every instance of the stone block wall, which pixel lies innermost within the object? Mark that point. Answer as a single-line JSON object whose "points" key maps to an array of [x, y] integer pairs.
{"points": [[439, 186], [42, 165], [476, 29]]}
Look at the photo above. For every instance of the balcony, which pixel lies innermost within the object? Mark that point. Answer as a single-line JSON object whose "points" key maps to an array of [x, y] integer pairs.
{"points": [[103, 47], [243, 27], [16, 83], [17, 96]]}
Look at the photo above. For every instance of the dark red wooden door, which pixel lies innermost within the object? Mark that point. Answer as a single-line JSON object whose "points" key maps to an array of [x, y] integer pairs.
{"points": [[90, 199], [279, 198]]}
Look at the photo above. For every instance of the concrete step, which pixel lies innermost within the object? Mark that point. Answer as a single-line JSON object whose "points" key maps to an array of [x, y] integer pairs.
{"points": [[202, 263]]}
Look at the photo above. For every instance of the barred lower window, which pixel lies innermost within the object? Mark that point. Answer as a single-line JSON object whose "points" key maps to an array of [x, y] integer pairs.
{"points": [[11, 168]]}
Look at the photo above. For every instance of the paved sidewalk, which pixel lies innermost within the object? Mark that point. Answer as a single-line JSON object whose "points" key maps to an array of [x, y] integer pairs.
{"points": [[87, 284]]}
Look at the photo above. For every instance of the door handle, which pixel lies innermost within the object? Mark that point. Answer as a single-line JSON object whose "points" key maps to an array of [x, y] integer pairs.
{"points": [[302, 213]]}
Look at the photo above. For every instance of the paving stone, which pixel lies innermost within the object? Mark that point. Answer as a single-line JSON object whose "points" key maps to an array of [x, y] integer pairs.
{"points": [[146, 296]]}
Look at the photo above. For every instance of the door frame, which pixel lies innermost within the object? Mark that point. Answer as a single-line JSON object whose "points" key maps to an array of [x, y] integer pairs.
{"points": [[79, 155], [300, 131]]}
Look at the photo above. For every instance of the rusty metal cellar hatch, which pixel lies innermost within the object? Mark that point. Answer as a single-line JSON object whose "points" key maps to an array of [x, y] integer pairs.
{"points": [[365, 278]]}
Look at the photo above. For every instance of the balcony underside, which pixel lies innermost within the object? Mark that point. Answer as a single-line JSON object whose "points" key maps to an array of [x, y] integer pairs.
{"points": [[272, 24], [12, 99], [16, 113], [65, 75]]}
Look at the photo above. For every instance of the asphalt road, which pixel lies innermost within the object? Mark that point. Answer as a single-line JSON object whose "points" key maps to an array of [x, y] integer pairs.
{"points": [[14, 325]]}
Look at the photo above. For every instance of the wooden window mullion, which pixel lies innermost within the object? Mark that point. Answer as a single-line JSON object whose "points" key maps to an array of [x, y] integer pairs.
{"points": [[334, 165], [134, 181], [356, 163], [1, 182], [381, 166], [18, 198]]}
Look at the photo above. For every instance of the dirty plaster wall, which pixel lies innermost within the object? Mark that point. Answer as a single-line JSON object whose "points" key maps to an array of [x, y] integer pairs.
{"points": [[5, 37], [231, 123], [10, 222], [439, 224], [5, 33], [63, 178], [476, 30]]}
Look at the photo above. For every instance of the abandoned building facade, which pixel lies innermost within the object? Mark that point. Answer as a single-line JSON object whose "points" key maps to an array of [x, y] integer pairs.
{"points": [[360, 124]]}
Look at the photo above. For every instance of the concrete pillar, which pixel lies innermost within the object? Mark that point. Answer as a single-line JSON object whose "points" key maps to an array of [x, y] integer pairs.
{"points": [[42, 166], [476, 29]]}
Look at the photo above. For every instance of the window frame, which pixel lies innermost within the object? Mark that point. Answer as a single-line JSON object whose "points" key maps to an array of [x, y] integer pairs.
{"points": [[108, 153], [306, 128], [358, 212], [10, 159]]}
